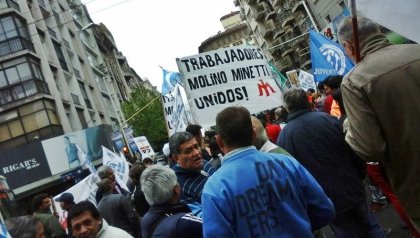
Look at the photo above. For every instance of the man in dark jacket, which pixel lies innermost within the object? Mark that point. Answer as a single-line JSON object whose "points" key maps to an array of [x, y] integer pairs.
{"points": [[316, 140], [166, 217], [139, 201], [117, 209], [381, 96]]}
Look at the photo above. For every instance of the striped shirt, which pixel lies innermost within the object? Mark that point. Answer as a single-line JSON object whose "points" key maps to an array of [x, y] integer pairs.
{"points": [[192, 182]]}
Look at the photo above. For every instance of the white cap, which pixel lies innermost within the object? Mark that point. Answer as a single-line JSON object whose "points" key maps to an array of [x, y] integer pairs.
{"points": [[165, 149]]}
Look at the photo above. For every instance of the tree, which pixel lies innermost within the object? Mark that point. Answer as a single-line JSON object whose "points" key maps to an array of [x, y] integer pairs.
{"points": [[150, 121]]}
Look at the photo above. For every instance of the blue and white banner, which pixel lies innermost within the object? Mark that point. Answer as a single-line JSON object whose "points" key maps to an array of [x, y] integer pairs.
{"points": [[170, 79], [179, 116], [327, 57], [84, 160], [118, 164]]}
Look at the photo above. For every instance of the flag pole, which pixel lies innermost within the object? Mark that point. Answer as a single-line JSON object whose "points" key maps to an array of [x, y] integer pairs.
{"points": [[355, 29]]}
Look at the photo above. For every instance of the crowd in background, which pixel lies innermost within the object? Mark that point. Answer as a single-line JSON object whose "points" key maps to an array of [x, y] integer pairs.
{"points": [[286, 172]]}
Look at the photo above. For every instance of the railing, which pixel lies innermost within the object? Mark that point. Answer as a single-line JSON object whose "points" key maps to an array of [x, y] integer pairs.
{"points": [[9, 3], [42, 134], [76, 99], [23, 90], [15, 44]]}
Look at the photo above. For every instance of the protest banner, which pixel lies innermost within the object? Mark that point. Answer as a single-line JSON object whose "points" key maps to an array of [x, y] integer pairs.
{"points": [[327, 57], [235, 76], [118, 164], [293, 77], [145, 148], [306, 81]]}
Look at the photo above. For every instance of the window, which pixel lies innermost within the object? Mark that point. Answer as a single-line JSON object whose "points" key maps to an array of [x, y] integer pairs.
{"points": [[11, 27], [19, 71], [24, 72], [33, 116], [3, 81], [35, 121]]}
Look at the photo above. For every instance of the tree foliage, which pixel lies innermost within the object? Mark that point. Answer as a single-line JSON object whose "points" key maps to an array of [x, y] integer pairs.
{"points": [[150, 122]]}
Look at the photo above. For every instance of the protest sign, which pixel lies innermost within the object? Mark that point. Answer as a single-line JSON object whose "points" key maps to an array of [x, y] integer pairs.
{"points": [[145, 149], [306, 80], [235, 76]]}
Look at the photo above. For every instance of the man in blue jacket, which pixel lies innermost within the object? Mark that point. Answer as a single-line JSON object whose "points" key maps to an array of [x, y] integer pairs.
{"points": [[316, 140], [256, 194]]}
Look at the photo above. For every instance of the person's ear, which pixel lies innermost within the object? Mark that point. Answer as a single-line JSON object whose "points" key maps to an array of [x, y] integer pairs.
{"points": [[175, 158], [254, 135], [220, 142]]}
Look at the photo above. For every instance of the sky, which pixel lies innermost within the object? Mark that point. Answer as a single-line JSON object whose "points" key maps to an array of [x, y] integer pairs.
{"points": [[152, 33]]}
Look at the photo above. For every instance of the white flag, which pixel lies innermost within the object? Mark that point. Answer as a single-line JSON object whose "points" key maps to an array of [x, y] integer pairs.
{"points": [[402, 17], [84, 160], [118, 164]]}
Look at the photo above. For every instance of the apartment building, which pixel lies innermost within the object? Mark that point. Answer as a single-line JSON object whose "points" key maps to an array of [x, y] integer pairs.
{"points": [[236, 32], [60, 75], [281, 27]]}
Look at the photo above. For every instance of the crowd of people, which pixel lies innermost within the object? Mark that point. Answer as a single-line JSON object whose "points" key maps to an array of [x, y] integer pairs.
{"points": [[289, 172]]}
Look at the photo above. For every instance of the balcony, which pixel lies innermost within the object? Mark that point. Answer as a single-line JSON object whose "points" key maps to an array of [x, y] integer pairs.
{"points": [[278, 31], [267, 30], [305, 62], [9, 4], [286, 50], [23, 90], [259, 15], [306, 25], [15, 44], [270, 15], [275, 52], [276, 3], [42, 134], [297, 5], [287, 17]]}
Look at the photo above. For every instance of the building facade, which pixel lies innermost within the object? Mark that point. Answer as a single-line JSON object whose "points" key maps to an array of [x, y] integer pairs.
{"points": [[236, 32], [59, 74]]}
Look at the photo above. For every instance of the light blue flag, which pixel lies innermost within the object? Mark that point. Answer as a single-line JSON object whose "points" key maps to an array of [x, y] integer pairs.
{"points": [[327, 57], [170, 79]]}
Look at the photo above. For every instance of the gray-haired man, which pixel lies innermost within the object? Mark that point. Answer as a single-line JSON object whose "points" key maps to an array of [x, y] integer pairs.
{"points": [[166, 217]]}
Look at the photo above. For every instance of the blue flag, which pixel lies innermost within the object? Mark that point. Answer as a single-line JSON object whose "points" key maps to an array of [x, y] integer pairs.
{"points": [[170, 79], [327, 57]]}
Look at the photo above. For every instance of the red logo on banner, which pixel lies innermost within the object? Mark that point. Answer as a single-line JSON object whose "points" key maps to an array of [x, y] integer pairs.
{"points": [[265, 88]]}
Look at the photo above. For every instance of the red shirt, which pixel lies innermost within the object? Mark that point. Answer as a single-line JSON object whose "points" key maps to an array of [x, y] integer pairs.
{"points": [[273, 131]]}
